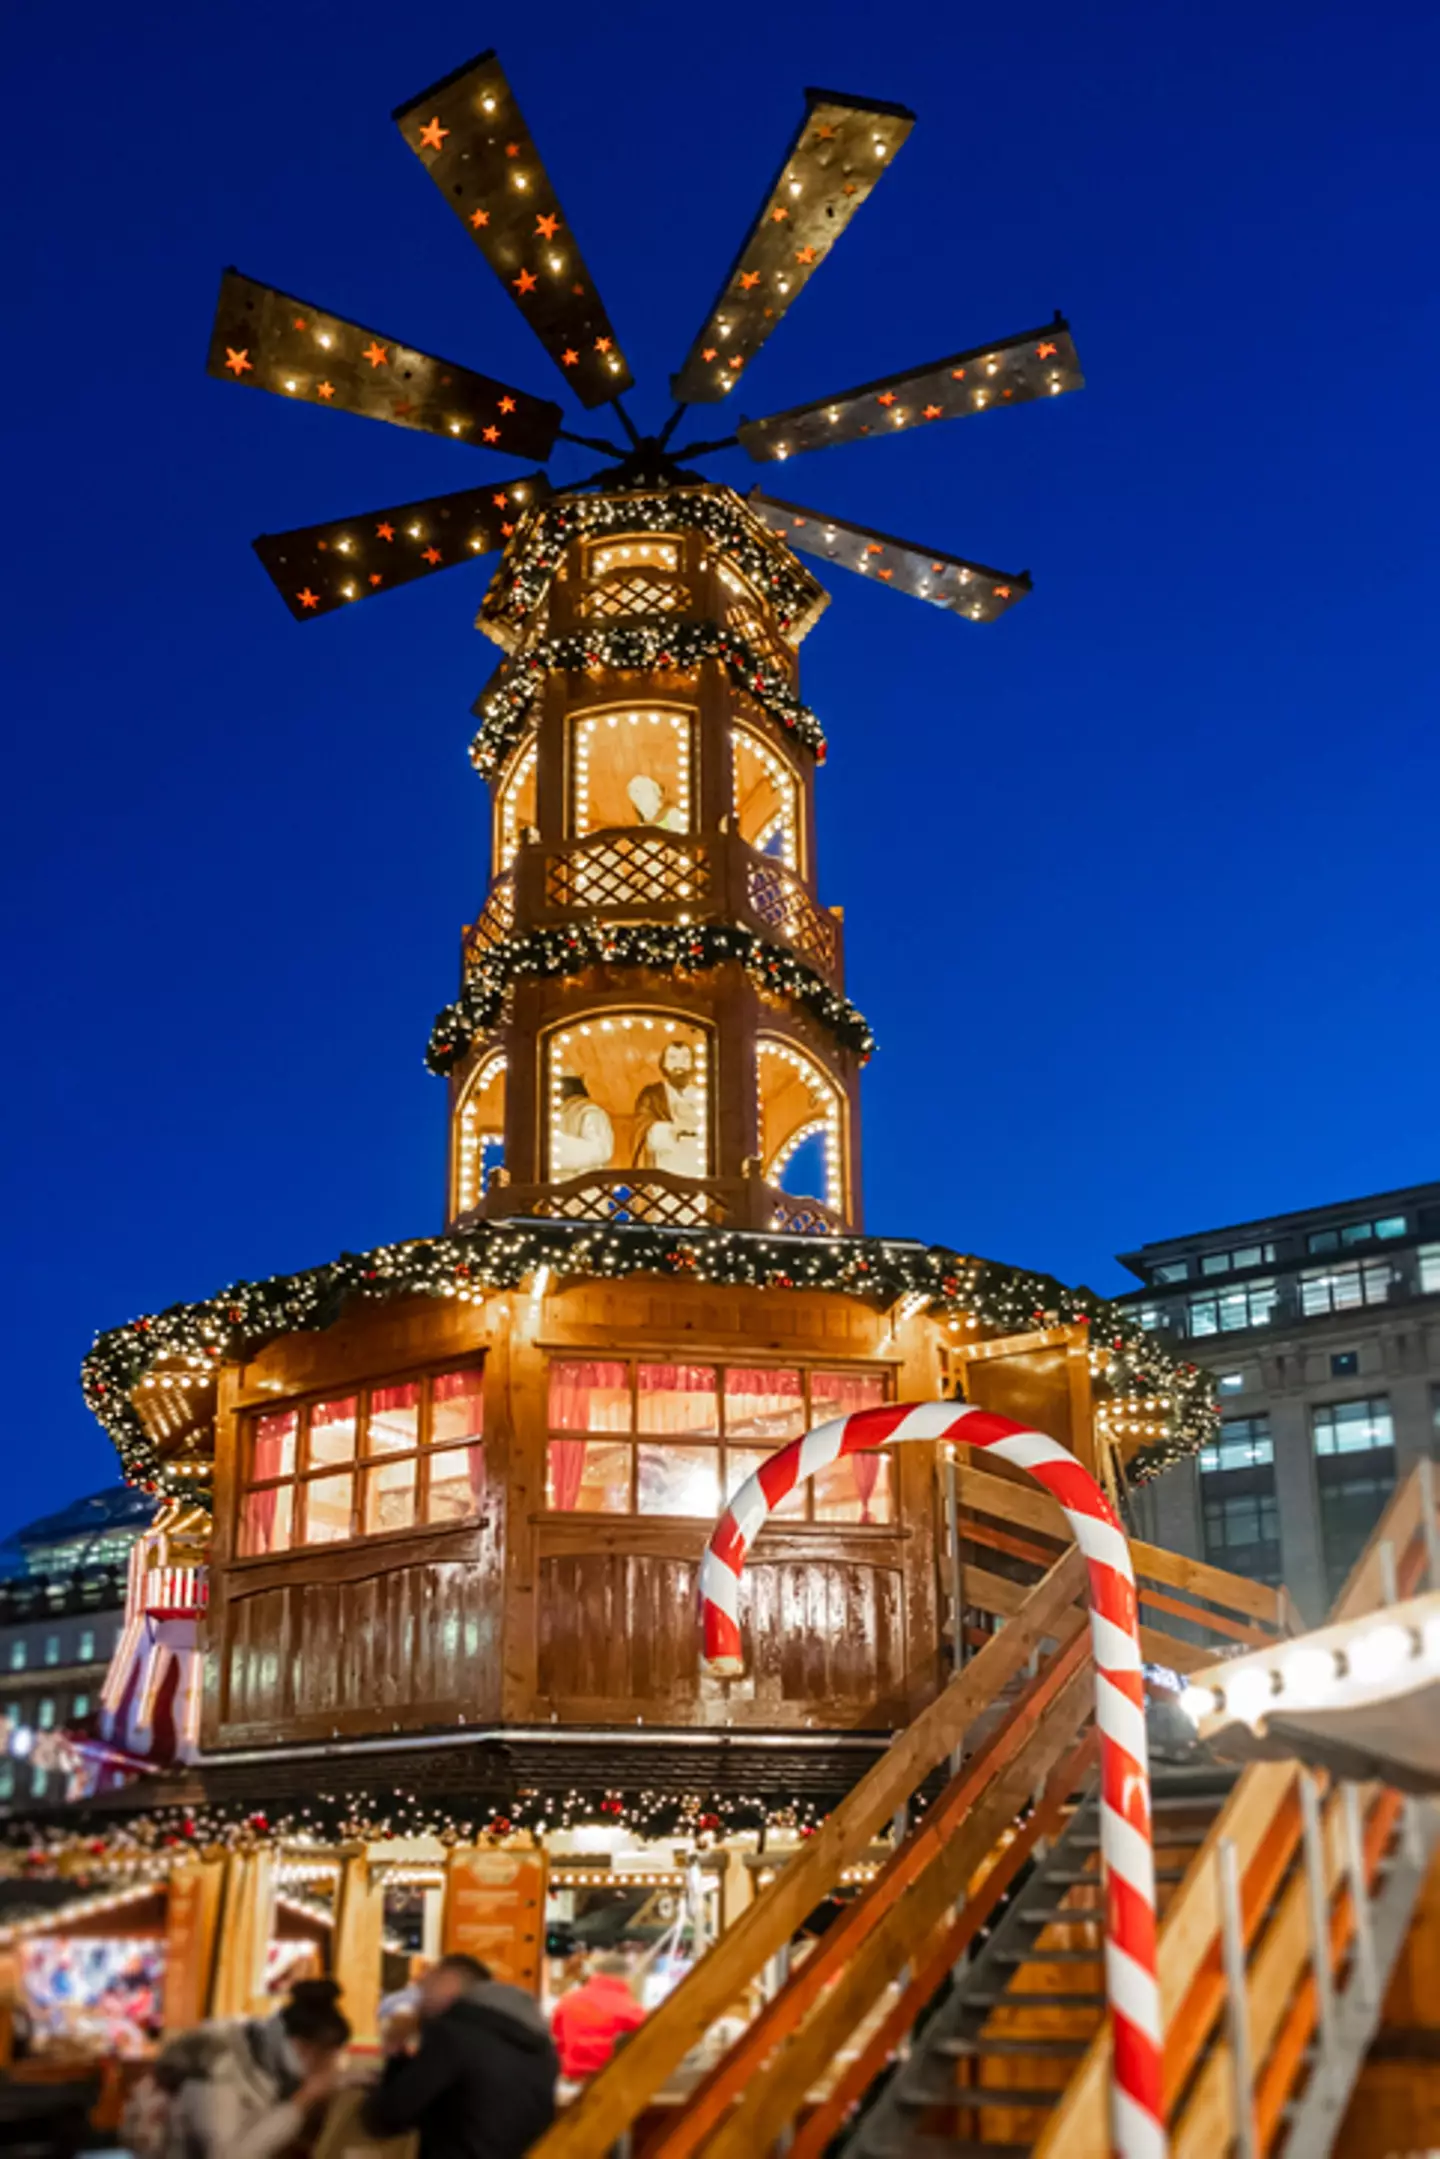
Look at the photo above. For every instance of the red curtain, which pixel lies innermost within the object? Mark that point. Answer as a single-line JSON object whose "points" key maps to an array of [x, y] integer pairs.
{"points": [[867, 1476], [567, 1471], [571, 1388], [383, 1398]]}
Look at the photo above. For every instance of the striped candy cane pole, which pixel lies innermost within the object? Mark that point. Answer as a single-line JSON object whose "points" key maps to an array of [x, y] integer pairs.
{"points": [[1126, 1850]]}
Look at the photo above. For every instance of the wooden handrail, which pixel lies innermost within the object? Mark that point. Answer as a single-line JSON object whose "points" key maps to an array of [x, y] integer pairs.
{"points": [[845, 1940], [1260, 1820], [608, 2106]]}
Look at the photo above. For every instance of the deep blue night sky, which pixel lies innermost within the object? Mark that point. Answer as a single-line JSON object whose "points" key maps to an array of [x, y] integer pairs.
{"points": [[1140, 883]]}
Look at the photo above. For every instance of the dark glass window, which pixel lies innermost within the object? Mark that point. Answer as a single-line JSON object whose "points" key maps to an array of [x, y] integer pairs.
{"points": [[1344, 1363]]}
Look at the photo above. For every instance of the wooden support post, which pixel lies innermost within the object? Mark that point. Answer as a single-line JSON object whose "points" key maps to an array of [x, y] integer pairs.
{"points": [[192, 1926], [1237, 2001], [246, 1919], [359, 1941]]}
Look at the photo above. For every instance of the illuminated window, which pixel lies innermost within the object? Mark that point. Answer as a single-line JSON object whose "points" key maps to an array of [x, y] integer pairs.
{"points": [[52, 1649], [1350, 1234], [1429, 1269], [382, 1458], [19, 1656], [79, 1705], [1341, 1289], [1245, 1255], [631, 772], [1352, 1427], [86, 1652], [801, 1146], [633, 575], [628, 1091], [633, 1437], [45, 1714], [767, 798], [517, 808], [480, 1133], [1226, 1311]]}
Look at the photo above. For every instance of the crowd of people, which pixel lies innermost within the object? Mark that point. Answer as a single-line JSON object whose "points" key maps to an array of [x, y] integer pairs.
{"points": [[469, 2071]]}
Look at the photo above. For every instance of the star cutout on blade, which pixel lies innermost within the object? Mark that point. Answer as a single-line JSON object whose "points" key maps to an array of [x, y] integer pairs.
{"points": [[804, 254], [1046, 352], [384, 532], [1002, 592], [886, 397], [325, 390], [239, 363], [307, 598], [525, 282], [432, 134], [508, 531], [489, 434], [603, 344], [375, 577], [779, 214], [507, 404], [430, 554], [375, 353], [708, 353], [932, 412], [512, 149], [569, 358], [547, 227], [749, 279], [824, 133], [501, 502], [479, 219]]}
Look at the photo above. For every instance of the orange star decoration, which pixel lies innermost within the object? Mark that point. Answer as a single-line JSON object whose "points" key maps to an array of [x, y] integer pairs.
{"points": [[735, 360], [525, 282], [384, 532], [749, 279], [547, 227], [569, 357], [239, 363], [432, 134], [490, 434], [708, 353], [938, 569], [824, 134], [307, 598], [886, 397], [375, 577], [1046, 352], [804, 254], [507, 530], [779, 214], [507, 404], [375, 353], [500, 502], [299, 322], [932, 412], [957, 374], [603, 344], [887, 575], [479, 219], [431, 554], [1002, 592], [512, 149], [325, 390], [874, 548]]}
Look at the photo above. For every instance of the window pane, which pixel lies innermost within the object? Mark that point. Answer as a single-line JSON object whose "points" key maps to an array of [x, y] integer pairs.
{"points": [[586, 1397], [1357, 1233], [266, 1520], [1215, 1263], [394, 1424], [1169, 1270], [589, 1476], [1391, 1225], [840, 1394], [274, 1452], [457, 1406], [389, 1496], [1323, 1240], [1430, 1268], [332, 1433], [1353, 1427], [457, 1484], [678, 1398], [764, 1405], [1203, 1317], [328, 1503], [679, 1480], [1249, 1255], [856, 1489]]}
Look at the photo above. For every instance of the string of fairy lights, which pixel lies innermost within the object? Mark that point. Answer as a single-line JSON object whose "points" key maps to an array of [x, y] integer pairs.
{"points": [[193, 1340], [538, 548], [670, 947], [650, 647]]}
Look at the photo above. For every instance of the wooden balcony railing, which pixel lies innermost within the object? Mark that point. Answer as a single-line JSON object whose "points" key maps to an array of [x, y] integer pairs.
{"points": [[653, 1195], [638, 874]]}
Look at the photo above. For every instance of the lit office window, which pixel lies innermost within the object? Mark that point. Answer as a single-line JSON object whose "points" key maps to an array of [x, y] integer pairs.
{"points": [[1429, 1268], [1228, 1311], [1344, 1288], [45, 1714], [80, 1706], [86, 1652], [1352, 1427], [19, 1656], [1235, 1261], [1230, 1383], [1170, 1270], [52, 1649], [1350, 1234], [1244, 1443]]}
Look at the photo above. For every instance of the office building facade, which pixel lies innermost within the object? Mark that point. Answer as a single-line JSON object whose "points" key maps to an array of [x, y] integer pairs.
{"points": [[1323, 1330]]}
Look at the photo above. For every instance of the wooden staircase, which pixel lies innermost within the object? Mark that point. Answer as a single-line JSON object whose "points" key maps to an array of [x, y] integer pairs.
{"points": [[956, 2006]]}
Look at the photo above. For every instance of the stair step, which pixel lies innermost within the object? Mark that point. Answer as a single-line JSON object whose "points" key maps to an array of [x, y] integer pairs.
{"points": [[1043, 2049], [1046, 1956], [1089, 1877], [1004, 1998], [1061, 1915], [973, 2095]]}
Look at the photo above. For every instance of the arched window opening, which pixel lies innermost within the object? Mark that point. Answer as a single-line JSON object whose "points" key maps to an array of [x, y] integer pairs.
{"points": [[632, 769], [801, 1137], [517, 807], [633, 574], [481, 1132], [628, 1090], [767, 799]]}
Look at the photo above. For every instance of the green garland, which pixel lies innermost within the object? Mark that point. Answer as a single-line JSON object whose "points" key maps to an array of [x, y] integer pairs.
{"points": [[673, 948], [538, 548], [656, 646], [240, 1321]]}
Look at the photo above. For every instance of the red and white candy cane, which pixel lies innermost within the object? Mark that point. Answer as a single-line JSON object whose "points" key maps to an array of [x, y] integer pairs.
{"points": [[1126, 1845]]}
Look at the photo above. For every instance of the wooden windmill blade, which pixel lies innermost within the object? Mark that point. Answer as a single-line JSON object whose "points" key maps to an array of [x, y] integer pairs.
{"points": [[1033, 364], [319, 568], [839, 151], [273, 341], [971, 589], [468, 133]]}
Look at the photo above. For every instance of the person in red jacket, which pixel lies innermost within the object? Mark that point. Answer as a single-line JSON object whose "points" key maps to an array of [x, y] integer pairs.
{"points": [[588, 2022]]}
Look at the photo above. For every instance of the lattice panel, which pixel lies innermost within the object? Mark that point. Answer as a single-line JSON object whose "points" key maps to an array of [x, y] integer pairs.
{"points": [[494, 922], [779, 901], [638, 1202], [639, 870], [761, 634], [635, 592], [802, 1217]]}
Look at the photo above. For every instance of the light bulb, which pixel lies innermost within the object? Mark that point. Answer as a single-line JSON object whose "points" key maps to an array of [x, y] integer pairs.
{"points": [[1247, 1695], [1379, 1654]]}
